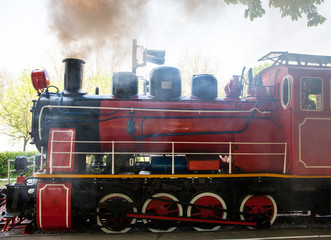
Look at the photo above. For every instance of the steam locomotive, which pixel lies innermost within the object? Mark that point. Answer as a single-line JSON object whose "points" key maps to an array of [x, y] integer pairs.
{"points": [[164, 160]]}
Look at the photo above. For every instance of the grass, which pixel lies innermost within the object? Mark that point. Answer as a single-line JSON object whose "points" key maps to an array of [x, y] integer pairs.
{"points": [[3, 182]]}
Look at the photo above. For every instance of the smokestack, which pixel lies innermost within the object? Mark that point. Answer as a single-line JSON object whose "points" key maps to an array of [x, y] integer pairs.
{"points": [[73, 75]]}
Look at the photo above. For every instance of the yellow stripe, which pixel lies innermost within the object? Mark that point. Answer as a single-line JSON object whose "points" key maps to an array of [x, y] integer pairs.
{"points": [[246, 175]]}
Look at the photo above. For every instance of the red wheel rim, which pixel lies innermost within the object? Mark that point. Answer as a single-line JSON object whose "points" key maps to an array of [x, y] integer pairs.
{"points": [[253, 205], [211, 200], [163, 208]]}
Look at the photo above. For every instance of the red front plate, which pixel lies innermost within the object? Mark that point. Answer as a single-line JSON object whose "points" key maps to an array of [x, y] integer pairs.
{"points": [[54, 205]]}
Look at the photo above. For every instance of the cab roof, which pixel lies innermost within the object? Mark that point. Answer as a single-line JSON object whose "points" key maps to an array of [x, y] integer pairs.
{"points": [[286, 58]]}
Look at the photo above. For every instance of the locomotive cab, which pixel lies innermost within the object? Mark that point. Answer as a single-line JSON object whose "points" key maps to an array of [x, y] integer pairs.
{"points": [[302, 85]]}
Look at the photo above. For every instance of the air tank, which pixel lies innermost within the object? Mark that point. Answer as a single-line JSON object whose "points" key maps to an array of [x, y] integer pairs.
{"points": [[204, 86], [165, 83], [125, 84]]}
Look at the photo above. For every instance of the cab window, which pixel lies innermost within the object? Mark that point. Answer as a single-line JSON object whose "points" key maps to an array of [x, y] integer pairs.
{"points": [[311, 94], [286, 92]]}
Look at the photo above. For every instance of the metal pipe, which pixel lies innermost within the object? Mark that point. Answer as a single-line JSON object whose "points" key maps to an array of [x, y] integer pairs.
{"points": [[134, 56], [41, 167], [8, 172], [230, 159], [173, 158], [113, 158], [51, 155], [285, 152]]}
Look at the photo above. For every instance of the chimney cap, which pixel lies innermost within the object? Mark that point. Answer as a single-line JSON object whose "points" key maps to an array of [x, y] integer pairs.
{"points": [[73, 59]]}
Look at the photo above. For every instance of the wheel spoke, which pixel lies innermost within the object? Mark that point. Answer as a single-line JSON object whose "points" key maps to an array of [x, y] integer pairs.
{"points": [[269, 208], [162, 208], [173, 211], [217, 217], [208, 200], [196, 214], [116, 203], [107, 222], [252, 205]]}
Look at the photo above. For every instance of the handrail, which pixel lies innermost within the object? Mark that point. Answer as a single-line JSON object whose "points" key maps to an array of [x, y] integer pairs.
{"points": [[9, 171], [172, 153], [9, 161]]}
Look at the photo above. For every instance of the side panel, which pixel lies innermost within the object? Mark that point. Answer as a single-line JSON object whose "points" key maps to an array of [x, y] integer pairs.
{"points": [[53, 205], [61, 148], [314, 143]]}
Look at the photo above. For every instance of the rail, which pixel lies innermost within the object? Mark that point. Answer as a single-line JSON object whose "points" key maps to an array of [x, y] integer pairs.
{"points": [[9, 170], [229, 145]]}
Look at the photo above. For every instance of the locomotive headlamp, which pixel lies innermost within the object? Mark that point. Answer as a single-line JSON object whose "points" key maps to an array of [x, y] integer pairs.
{"points": [[21, 163], [40, 79]]}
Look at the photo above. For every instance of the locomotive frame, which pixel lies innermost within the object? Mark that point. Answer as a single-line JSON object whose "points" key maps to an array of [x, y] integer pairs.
{"points": [[165, 160]]}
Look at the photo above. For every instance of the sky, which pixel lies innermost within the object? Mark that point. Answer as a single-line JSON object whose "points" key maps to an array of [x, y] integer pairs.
{"points": [[30, 33], [222, 34]]}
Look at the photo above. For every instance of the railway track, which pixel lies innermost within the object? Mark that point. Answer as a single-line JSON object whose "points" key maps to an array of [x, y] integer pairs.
{"points": [[303, 227]]}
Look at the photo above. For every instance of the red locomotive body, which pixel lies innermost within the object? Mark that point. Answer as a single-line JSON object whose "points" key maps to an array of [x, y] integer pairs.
{"points": [[167, 159]]}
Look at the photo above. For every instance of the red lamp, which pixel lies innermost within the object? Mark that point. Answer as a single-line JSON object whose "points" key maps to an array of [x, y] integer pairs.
{"points": [[40, 79]]}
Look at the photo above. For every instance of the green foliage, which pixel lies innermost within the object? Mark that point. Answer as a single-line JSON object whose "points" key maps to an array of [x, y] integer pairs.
{"points": [[5, 156], [15, 107], [100, 80], [288, 8], [295, 9], [254, 10], [2, 84], [259, 68], [256, 70]]}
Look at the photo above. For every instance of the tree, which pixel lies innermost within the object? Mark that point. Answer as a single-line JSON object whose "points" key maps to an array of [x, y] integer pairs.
{"points": [[259, 68], [15, 107], [100, 80], [100, 67], [193, 64], [16, 95], [4, 76], [292, 8]]}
